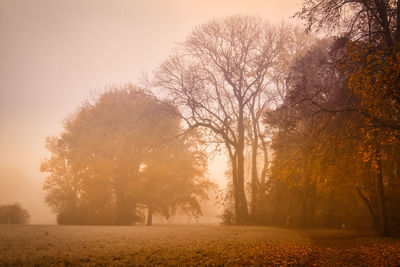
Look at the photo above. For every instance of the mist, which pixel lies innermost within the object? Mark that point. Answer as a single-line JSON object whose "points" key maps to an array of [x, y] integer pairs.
{"points": [[200, 133], [55, 54]]}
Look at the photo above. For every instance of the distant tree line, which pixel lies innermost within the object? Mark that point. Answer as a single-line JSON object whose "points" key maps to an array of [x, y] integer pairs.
{"points": [[310, 127], [13, 214]]}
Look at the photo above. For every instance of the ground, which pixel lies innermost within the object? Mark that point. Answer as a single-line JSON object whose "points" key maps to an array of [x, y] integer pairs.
{"points": [[196, 245]]}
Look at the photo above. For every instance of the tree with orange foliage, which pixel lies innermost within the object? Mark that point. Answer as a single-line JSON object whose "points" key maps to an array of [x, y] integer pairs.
{"points": [[104, 164], [326, 146], [372, 65]]}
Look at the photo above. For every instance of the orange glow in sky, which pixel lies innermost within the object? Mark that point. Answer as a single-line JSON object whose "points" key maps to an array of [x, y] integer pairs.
{"points": [[54, 53]]}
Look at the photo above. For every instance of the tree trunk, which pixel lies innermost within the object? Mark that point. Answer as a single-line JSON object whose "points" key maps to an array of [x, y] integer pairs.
{"points": [[233, 159], [384, 22], [254, 182], [122, 209], [255, 197], [382, 203], [235, 187], [264, 170], [125, 207], [312, 205], [242, 217], [374, 217], [330, 217], [398, 21], [149, 216], [303, 212]]}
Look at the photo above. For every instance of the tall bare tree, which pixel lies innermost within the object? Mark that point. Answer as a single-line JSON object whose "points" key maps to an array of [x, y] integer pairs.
{"points": [[293, 43], [216, 75]]}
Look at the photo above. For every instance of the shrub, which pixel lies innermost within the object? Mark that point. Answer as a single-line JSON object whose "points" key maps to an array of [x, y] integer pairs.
{"points": [[13, 214]]}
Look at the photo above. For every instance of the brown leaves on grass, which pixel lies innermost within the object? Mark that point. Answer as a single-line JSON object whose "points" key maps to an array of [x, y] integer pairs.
{"points": [[385, 254], [190, 246], [348, 248]]}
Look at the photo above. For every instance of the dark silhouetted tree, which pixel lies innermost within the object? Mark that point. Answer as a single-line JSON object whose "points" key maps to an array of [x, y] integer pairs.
{"points": [[371, 62], [326, 146], [13, 214]]}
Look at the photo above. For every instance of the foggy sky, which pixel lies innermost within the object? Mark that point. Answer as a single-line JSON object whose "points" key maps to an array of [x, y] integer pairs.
{"points": [[54, 53]]}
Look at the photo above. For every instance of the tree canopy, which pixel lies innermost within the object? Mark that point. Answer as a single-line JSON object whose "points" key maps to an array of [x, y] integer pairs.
{"points": [[339, 123], [120, 151]]}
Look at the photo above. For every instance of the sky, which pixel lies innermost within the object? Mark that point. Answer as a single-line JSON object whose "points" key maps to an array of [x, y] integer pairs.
{"points": [[54, 54]]}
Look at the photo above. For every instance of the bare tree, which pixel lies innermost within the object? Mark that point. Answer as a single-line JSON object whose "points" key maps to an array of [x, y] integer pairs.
{"points": [[373, 21], [214, 77], [292, 44]]}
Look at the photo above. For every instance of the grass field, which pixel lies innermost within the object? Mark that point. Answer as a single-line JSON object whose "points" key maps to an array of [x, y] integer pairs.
{"points": [[190, 245]]}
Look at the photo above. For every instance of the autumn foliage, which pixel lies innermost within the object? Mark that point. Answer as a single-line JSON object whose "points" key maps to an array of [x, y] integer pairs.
{"points": [[309, 127], [120, 154]]}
